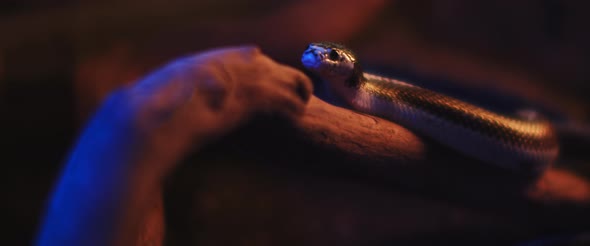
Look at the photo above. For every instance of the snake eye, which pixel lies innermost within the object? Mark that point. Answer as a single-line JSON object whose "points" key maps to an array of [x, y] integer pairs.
{"points": [[333, 55]]}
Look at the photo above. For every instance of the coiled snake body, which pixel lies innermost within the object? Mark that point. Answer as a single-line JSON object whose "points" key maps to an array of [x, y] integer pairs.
{"points": [[511, 142]]}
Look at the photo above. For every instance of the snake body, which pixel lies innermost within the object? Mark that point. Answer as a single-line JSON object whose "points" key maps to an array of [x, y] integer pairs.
{"points": [[514, 143]]}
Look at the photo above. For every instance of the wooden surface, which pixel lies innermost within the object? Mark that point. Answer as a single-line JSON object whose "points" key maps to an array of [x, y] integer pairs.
{"points": [[339, 177]]}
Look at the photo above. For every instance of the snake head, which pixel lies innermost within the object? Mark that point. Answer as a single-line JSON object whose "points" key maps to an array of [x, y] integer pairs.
{"points": [[333, 62]]}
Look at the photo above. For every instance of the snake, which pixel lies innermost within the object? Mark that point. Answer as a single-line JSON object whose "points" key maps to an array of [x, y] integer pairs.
{"points": [[517, 143]]}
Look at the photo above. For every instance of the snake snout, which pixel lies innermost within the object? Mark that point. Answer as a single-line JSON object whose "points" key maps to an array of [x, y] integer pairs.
{"points": [[311, 58]]}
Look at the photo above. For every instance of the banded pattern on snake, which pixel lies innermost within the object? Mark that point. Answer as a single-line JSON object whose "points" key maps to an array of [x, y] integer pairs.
{"points": [[515, 143]]}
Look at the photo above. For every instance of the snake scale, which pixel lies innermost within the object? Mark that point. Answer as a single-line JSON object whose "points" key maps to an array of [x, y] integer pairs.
{"points": [[515, 143]]}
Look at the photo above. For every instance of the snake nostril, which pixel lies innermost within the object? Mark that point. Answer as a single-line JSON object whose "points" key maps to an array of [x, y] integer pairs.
{"points": [[309, 51]]}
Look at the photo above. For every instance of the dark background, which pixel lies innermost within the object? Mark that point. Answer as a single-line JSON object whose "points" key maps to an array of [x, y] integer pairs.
{"points": [[58, 59]]}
